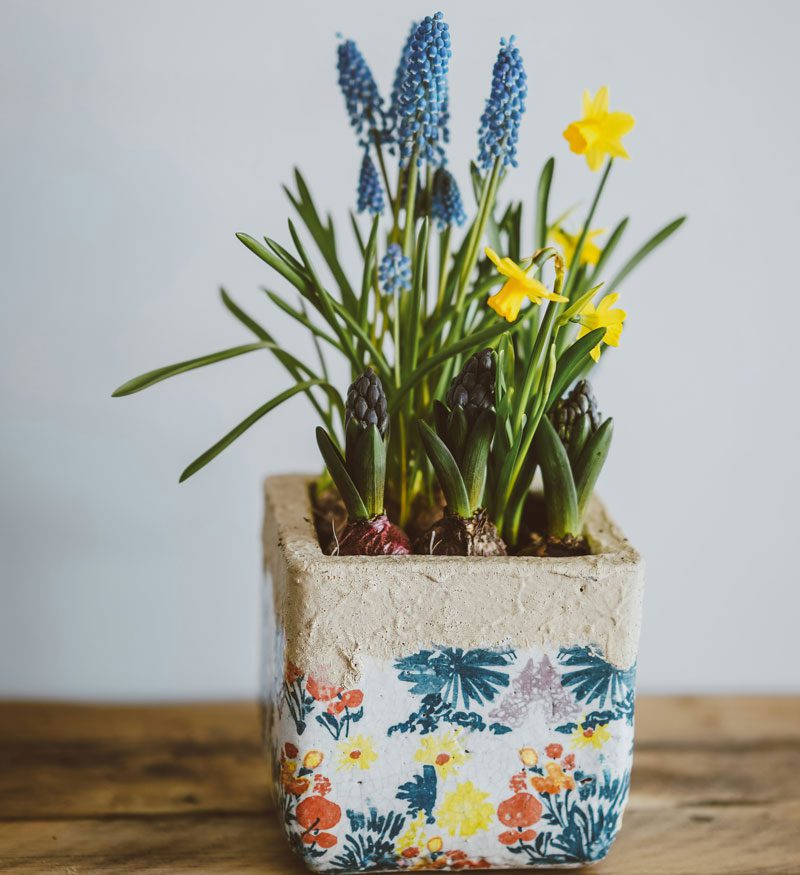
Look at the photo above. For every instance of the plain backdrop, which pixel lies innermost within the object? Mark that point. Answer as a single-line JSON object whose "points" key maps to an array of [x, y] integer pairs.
{"points": [[136, 138]]}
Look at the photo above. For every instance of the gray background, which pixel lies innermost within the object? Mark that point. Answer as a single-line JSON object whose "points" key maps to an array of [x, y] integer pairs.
{"points": [[137, 138]]}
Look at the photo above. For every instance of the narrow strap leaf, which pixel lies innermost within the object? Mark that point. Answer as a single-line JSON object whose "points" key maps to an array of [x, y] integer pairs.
{"points": [[273, 261], [608, 249], [293, 366], [338, 471], [444, 464], [560, 495], [415, 316], [302, 318], [368, 273], [475, 457], [211, 453], [577, 439], [368, 469], [571, 362], [542, 199], [466, 344], [645, 250], [144, 381], [591, 462]]}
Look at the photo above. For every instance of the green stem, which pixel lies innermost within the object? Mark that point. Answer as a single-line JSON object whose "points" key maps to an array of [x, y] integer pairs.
{"points": [[411, 196], [444, 266]]}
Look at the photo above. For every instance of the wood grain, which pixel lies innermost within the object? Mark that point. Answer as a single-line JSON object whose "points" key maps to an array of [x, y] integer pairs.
{"points": [[184, 788]]}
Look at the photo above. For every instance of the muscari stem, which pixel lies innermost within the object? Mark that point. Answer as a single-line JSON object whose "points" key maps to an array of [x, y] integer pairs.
{"points": [[411, 196]]}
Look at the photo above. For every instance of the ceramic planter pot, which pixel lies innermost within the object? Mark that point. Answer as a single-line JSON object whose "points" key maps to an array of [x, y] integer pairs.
{"points": [[447, 713]]}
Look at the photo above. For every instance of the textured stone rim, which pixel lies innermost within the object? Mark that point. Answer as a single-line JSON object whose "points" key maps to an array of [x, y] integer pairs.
{"points": [[334, 609]]}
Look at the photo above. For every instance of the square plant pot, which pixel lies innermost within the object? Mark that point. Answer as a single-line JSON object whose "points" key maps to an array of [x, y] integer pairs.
{"points": [[446, 712]]}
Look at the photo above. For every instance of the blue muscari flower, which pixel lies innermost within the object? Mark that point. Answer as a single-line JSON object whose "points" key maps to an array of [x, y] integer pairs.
{"points": [[422, 100], [447, 208], [394, 272], [394, 113], [499, 128], [370, 191], [364, 103]]}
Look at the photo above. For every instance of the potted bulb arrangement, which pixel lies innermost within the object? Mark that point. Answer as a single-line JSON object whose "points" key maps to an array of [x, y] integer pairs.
{"points": [[451, 616]]}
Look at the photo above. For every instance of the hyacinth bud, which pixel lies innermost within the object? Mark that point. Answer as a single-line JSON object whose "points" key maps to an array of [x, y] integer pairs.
{"points": [[568, 409], [473, 387], [366, 403]]}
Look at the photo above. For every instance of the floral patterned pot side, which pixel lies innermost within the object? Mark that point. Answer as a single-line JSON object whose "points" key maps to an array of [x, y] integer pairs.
{"points": [[449, 752]]}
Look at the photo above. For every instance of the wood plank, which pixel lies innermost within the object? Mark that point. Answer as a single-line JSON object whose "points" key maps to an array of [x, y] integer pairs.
{"points": [[166, 789], [755, 840]]}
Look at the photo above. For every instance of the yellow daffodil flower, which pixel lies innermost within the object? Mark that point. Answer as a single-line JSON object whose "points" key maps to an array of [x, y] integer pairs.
{"points": [[590, 253], [518, 286], [599, 132], [602, 316]]}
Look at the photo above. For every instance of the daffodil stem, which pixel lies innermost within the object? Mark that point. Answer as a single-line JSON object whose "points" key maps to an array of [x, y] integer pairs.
{"points": [[542, 336], [444, 267], [575, 261]]}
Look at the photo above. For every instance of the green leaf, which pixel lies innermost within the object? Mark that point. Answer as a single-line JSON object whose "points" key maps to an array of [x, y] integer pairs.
{"points": [[415, 304], [645, 250], [441, 416], [560, 495], [591, 462], [368, 274], [444, 464], [475, 457], [542, 199], [357, 233], [211, 453], [273, 261], [303, 319], [471, 342], [292, 365], [338, 471], [577, 439], [578, 305], [457, 428], [608, 249], [152, 377], [367, 467], [571, 362]]}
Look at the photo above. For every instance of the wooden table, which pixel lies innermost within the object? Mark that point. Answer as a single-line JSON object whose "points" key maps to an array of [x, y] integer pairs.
{"points": [[184, 788]]}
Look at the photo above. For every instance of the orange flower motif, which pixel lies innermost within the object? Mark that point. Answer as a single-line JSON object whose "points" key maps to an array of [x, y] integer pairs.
{"points": [[290, 783], [335, 707], [518, 782], [520, 810], [290, 750], [317, 813], [408, 853], [322, 692], [352, 698], [510, 836], [555, 782], [569, 761], [554, 751]]}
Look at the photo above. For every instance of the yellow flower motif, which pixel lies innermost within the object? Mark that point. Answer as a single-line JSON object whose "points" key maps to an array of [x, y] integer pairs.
{"points": [[599, 132], [435, 845], [590, 253], [602, 316], [595, 736], [414, 836], [518, 286], [528, 756], [312, 760], [443, 751], [356, 752], [465, 810]]}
